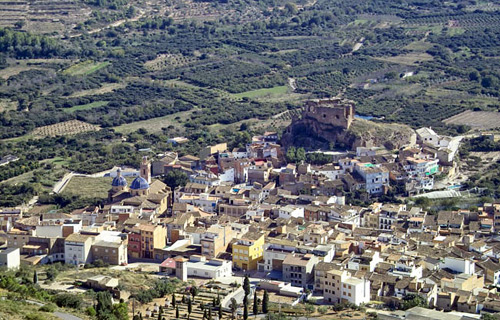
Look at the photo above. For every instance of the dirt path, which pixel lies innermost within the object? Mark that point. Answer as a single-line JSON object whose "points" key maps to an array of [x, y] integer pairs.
{"points": [[112, 24]]}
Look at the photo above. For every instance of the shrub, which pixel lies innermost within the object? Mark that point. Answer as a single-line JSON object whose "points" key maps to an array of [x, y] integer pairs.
{"points": [[35, 316], [49, 307], [67, 300], [91, 311]]}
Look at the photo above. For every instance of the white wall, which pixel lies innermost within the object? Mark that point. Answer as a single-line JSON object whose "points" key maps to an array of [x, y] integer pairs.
{"points": [[458, 265], [49, 231], [10, 258]]}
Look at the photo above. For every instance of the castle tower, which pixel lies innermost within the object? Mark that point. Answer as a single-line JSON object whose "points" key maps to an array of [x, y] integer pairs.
{"points": [[146, 169]]}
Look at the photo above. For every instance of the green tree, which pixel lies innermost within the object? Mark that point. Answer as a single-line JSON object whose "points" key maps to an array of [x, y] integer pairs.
{"points": [[194, 291], [413, 300], [290, 155], [51, 273], [120, 311], [474, 75], [310, 308], [255, 303], [233, 306], [322, 310], [245, 308], [160, 313], [104, 306], [246, 286], [300, 155], [265, 302], [176, 178]]}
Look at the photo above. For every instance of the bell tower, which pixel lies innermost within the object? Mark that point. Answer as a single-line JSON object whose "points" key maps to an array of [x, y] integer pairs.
{"points": [[146, 169]]}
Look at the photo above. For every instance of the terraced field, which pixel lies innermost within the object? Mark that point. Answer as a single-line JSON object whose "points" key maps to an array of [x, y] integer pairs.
{"points": [[42, 15]]}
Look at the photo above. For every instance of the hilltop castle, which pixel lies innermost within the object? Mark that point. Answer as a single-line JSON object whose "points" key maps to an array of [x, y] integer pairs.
{"points": [[321, 123]]}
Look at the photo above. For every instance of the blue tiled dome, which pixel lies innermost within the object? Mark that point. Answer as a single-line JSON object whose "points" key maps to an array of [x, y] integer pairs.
{"points": [[139, 183], [119, 181]]}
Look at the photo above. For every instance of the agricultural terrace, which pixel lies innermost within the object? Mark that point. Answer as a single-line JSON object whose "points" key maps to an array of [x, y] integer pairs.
{"points": [[65, 128]]}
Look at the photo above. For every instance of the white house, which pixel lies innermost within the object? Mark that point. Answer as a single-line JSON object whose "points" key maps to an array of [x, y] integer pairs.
{"points": [[458, 265], [340, 287], [227, 176], [291, 211], [203, 201], [356, 290], [77, 248], [10, 258], [197, 266], [428, 136]]}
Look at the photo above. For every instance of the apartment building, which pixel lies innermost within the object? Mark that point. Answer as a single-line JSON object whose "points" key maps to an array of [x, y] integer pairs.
{"points": [[144, 238], [298, 269], [375, 177], [215, 240], [340, 287], [248, 251], [77, 248]]}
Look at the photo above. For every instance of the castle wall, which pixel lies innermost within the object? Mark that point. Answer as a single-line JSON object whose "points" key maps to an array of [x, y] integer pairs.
{"points": [[336, 113]]}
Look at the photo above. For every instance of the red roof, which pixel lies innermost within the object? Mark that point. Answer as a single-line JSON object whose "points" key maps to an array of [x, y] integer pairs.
{"points": [[169, 263]]}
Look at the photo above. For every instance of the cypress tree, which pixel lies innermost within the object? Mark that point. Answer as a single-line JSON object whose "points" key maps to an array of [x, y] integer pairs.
{"points": [[255, 305], [245, 310], [246, 286], [265, 302]]}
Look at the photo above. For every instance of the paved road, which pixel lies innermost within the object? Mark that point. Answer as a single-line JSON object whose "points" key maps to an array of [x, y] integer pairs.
{"points": [[59, 186], [66, 316], [60, 315]]}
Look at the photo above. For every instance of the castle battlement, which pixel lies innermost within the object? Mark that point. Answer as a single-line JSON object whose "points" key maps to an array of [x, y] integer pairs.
{"points": [[336, 112]]}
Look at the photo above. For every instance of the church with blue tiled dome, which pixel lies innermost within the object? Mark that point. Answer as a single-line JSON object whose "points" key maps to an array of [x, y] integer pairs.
{"points": [[119, 180], [139, 183], [142, 193]]}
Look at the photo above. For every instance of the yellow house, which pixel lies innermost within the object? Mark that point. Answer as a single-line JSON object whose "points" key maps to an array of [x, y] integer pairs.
{"points": [[248, 251]]}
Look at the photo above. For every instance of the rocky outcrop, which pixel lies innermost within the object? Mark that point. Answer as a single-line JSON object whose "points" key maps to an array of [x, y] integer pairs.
{"points": [[312, 134]]}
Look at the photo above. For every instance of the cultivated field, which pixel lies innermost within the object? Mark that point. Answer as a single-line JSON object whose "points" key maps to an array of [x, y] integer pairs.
{"points": [[65, 128], [409, 59], [480, 120], [105, 88], [164, 61], [156, 124], [90, 187], [85, 68]]}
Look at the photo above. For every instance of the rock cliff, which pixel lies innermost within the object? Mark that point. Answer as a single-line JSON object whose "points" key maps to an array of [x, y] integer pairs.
{"points": [[312, 134]]}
